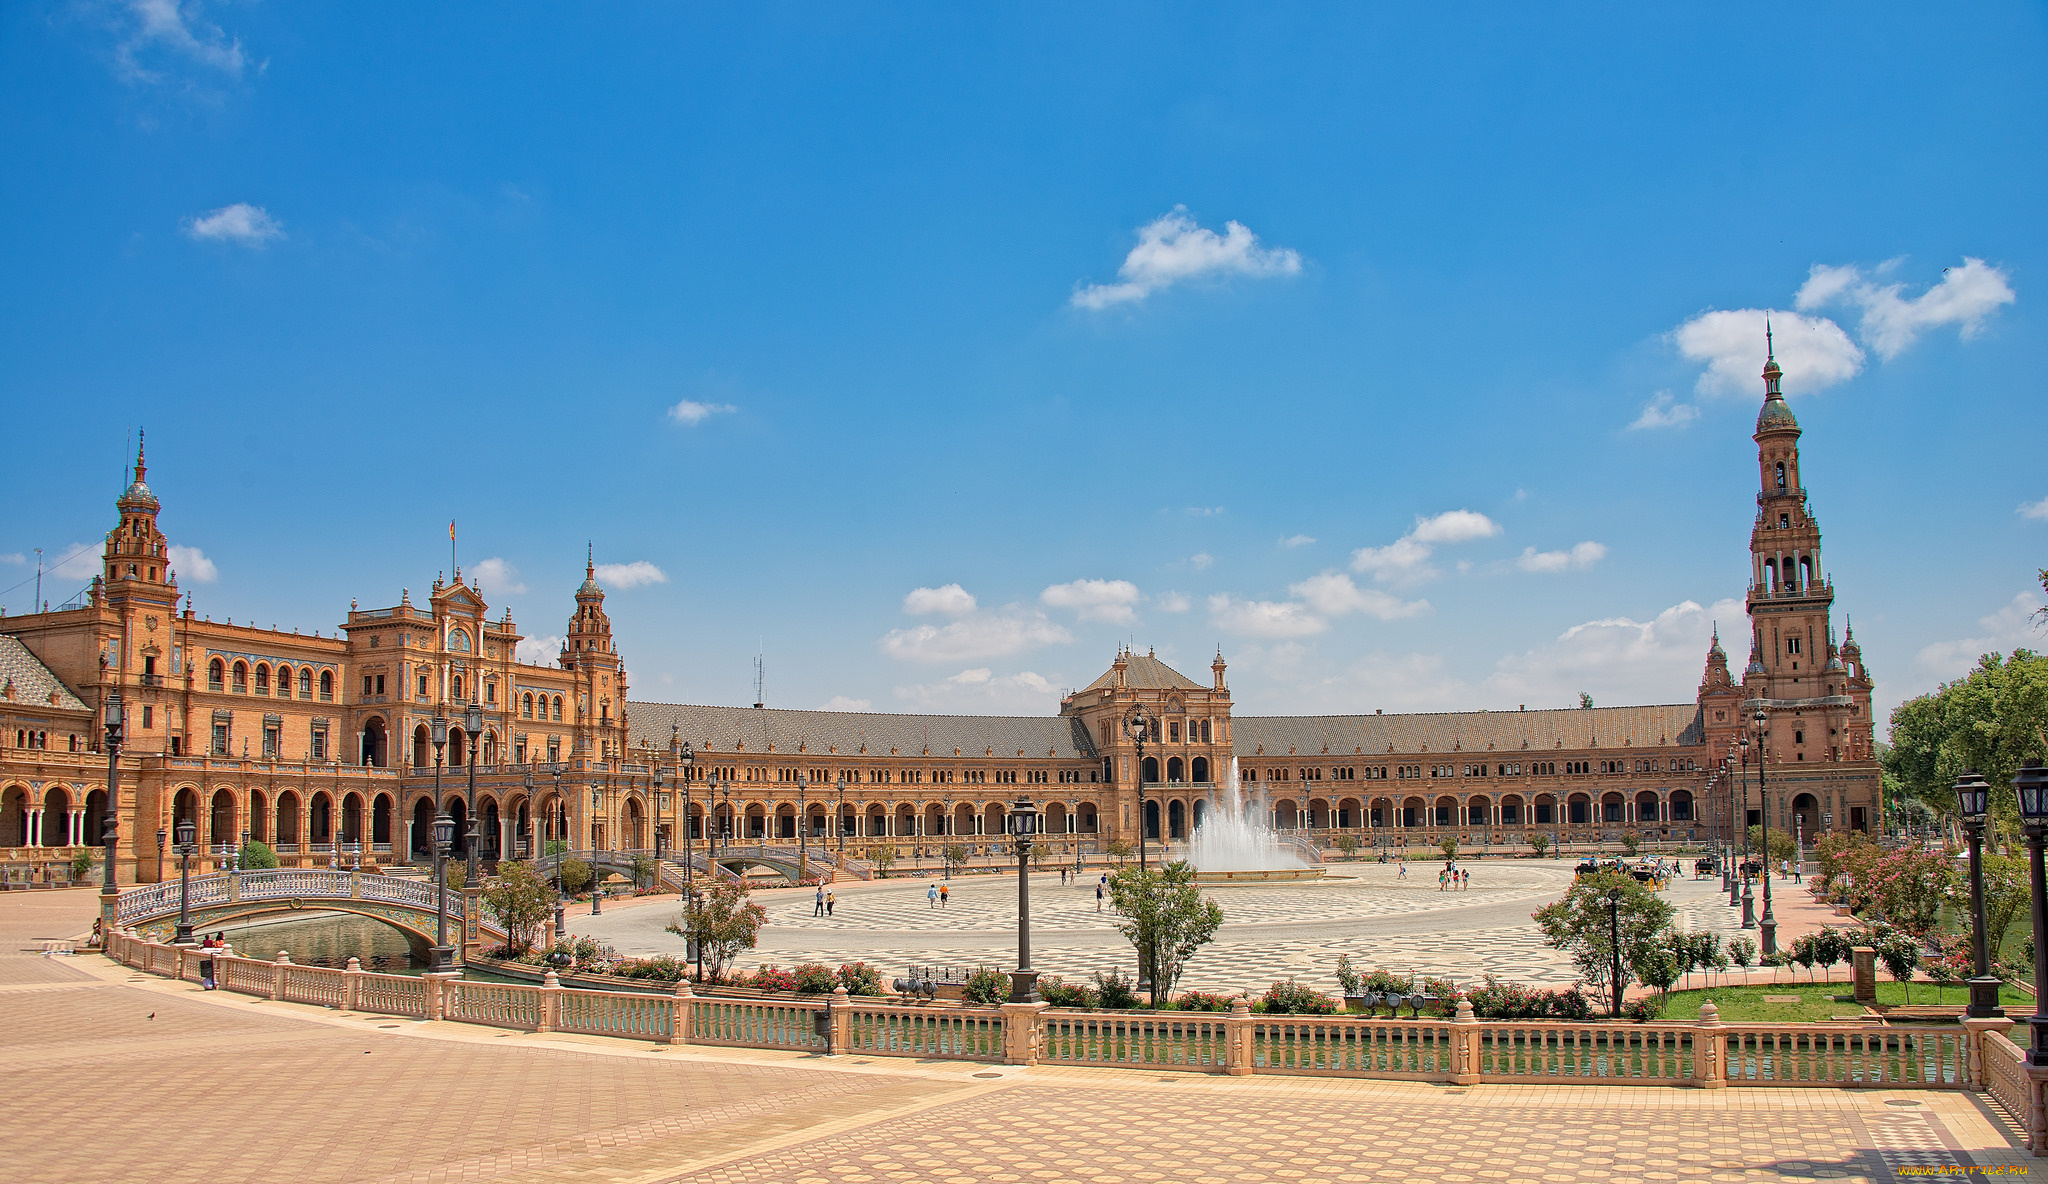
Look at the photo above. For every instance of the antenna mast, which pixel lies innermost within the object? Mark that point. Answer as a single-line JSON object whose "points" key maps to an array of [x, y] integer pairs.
{"points": [[760, 676]]}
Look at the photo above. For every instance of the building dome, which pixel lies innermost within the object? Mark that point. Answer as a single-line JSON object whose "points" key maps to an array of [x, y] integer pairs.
{"points": [[1776, 413]]}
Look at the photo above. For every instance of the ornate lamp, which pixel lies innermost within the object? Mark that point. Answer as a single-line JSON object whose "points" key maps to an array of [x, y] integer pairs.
{"points": [[1973, 798], [1022, 823], [2031, 785]]}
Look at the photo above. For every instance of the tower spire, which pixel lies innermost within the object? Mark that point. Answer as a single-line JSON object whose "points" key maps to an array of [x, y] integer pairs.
{"points": [[140, 468], [1770, 351]]}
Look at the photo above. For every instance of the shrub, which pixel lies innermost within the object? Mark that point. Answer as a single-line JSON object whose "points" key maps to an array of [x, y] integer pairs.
{"points": [[1539, 843], [1570, 1004], [813, 979], [575, 875], [860, 979], [1645, 1009], [1347, 978], [1497, 1000], [1288, 997], [1444, 995], [257, 856], [1382, 980], [1742, 950], [1203, 1001], [1061, 993], [767, 978], [1115, 990], [987, 986], [666, 968], [1631, 842]]}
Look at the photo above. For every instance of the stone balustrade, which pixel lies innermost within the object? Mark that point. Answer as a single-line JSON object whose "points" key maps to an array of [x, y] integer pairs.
{"points": [[1461, 1050]]}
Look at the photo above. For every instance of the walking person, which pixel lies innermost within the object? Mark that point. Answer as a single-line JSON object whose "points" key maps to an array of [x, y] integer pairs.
{"points": [[818, 908], [1098, 897], [828, 903], [931, 896], [944, 895]]}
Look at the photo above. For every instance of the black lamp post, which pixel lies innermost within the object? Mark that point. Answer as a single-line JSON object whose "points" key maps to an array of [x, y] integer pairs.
{"points": [[187, 833], [161, 835], [530, 812], [1748, 899], [110, 825], [444, 840], [689, 757], [1023, 825], [596, 885], [840, 820], [1614, 944], [1136, 726], [1973, 795], [473, 722], [2031, 785], [803, 826], [1767, 929]]}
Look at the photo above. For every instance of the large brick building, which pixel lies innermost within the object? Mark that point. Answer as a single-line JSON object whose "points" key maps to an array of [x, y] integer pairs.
{"points": [[320, 744]]}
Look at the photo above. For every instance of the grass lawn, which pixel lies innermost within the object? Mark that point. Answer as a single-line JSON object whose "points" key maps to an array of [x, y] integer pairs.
{"points": [[1817, 1001]]}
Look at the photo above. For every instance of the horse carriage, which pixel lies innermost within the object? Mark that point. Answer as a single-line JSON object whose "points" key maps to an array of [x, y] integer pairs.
{"points": [[1708, 866]]}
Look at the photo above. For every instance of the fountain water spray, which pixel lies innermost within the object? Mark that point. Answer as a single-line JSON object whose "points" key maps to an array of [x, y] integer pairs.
{"points": [[1235, 842]]}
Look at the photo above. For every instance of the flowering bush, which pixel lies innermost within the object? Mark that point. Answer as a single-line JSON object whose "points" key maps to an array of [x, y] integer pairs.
{"points": [[768, 978], [812, 979], [860, 979], [1907, 884], [1061, 993], [1644, 1009], [1203, 1001], [1494, 999], [987, 986], [1288, 997]]}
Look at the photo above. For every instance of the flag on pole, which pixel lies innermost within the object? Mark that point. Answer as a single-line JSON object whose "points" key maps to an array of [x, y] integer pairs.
{"points": [[451, 530]]}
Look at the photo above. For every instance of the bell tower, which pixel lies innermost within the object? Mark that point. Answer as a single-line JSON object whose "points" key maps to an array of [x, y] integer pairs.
{"points": [[137, 559], [600, 675], [1816, 706]]}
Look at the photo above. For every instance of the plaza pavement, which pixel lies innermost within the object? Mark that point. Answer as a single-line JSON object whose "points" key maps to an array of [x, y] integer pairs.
{"points": [[118, 1076], [1367, 910]]}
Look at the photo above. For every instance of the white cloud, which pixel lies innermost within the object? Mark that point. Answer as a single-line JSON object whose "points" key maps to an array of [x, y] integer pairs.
{"points": [[1620, 660], [843, 703], [980, 690], [13, 557], [1585, 554], [192, 565], [1264, 618], [1964, 296], [1171, 602], [2012, 625], [241, 223], [81, 562], [1454, 526], [1173, 249], [1113, 601], [2038, 511], [978, 635], [1333, 594], [1202, 511], [1378, 681], [690, 412], [498, 576], [176, 29], [951, 600], [540, 651], [630, 575], [1202, 560], [1662, 412], [1813, 351], [1406, 559], [1297, 540]]}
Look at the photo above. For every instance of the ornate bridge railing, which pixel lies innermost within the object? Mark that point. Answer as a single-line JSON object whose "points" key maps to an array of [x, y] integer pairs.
{"points": [[224, 896], [1461, 1050]]}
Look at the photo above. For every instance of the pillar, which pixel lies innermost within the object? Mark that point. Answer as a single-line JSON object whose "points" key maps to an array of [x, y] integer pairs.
{"points": [[35, 828]]}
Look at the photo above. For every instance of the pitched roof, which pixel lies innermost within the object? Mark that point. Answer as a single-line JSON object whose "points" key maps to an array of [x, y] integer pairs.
{"points": [[724, 729], [1469, 731], [1143, 672], [32, 681]]}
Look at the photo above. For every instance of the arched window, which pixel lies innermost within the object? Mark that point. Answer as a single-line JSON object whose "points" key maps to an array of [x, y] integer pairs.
{"points": [[262, 678], [216, 670], [242, 677], [558, 708], [526, 705], [458, 686], [305, 682], [1781, 474], [327, 684]]}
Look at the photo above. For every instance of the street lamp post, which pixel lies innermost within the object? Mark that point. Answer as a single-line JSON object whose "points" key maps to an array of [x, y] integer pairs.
{"points": [[803, 826], [1973, 795], [186, 834], [839, 819], [1023, 825], [1614, 944], [596, 885], [444, 833], [1748, 897], [473, 722], [110, 824], [1767, 929], [2031, 785], [1136, 726]]}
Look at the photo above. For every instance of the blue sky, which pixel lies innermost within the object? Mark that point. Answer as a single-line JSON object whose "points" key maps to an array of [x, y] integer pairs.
{"points": [[1405, 352]]}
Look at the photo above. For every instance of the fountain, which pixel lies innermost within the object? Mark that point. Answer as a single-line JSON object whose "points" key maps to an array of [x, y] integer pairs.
{"points": [[1234, 844]]}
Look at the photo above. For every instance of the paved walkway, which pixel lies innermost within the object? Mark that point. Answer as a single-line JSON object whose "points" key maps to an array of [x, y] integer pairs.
{"points": [[119, 1076], [1366, 910]]}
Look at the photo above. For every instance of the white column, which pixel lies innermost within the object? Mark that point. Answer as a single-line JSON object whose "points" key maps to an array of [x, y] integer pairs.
{"points": [[78, 828], [35, 827]]}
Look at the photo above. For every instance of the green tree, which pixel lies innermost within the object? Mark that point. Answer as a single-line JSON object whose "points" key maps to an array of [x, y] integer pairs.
{"points": [[1991, 720], [1631, 842], [1539, 843], [883, 857], [1783, 846], [643, 871], [955, 856], [521, 898], [1349, 845], [1449, 846], [724, 921], [1165, 917], [458, 875], [86, 859], [2006, 896], [257, 856], [1581, 925], [1119, 849], [576, 876]]}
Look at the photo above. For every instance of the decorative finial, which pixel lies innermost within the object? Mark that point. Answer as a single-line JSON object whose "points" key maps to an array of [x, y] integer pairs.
{"points": [[140, 468], [590, 560], [1770, 350]]}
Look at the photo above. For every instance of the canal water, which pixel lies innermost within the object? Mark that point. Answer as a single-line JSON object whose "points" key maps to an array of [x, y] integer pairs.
{"points": [[329, 939]]}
